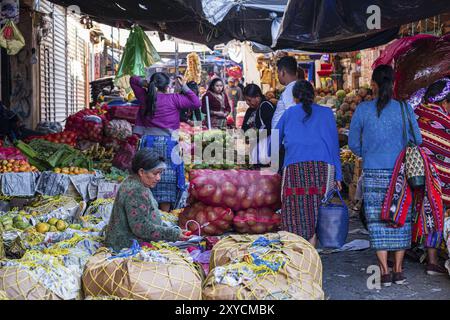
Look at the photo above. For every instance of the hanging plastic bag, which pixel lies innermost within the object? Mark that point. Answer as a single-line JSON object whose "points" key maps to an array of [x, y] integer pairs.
{"points": [[11, 39], [139, 54]]}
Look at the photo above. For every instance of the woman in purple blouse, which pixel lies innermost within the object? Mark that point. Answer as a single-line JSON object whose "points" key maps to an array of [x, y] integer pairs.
{"points": [[156, 122]]}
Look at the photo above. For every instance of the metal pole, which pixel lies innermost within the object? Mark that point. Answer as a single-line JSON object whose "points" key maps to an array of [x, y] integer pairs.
{"points": [[208, 114], [112, 51], [176, 57]]}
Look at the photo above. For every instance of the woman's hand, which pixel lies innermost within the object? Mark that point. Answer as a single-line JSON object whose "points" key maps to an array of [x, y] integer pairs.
{"points": [[339, 185], [186, 235], [181, 81]]}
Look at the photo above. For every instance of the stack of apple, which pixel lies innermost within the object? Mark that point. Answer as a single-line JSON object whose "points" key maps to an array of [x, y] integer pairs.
{"points": [[256, 221], [213, 221], [236, 189]]}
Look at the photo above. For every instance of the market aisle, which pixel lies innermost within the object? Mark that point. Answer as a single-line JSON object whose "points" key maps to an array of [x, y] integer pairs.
{"points": [[345, 277]]}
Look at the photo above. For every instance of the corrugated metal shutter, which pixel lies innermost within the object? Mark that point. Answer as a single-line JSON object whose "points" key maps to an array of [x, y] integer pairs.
{"points": [[76, 62], [53, 66]]}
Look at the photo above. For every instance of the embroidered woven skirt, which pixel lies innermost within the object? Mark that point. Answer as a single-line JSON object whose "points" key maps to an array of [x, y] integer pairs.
{"points": [[383, 237], [304, 185], [166, 191]]}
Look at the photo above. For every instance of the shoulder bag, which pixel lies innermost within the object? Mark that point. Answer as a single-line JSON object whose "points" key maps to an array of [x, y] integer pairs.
{"points": [[414, 164]]}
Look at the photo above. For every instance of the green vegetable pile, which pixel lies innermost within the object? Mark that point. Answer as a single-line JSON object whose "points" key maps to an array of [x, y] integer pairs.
{"points": [[46, 155]]}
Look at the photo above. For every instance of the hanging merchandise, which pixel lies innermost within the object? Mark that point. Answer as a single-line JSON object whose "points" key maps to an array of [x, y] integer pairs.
{"points": [[11, 39], [194, 68], [139, 54], [9, 10]]}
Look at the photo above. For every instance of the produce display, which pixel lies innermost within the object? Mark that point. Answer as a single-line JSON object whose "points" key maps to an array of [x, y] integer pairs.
{"points": [[236, 189], [256, 221], [16, 166], [11, 153], [73, 171], [66, 137], [46, 155], [347, 105], [88, 123], [119, 129], [213, 221]]}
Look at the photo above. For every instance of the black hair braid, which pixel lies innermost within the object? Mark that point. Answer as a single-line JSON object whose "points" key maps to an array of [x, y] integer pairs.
{"points": [[304, 92], [383, 76]]}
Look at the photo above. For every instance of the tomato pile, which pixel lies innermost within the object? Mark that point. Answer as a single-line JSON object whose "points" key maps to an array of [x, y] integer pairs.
{"points": [[66, 137]]}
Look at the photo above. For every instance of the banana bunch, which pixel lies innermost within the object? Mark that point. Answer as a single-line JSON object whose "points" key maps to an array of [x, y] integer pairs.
{"points": [[104, 166], [99, 153], [348, 157], [194, 68]]}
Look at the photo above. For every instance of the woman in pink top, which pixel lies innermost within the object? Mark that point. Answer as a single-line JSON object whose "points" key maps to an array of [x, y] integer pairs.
{"points": [[156, 121]]}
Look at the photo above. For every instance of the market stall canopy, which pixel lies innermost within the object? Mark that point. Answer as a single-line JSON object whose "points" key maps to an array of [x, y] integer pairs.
{"points": [[208, 22], [340, 25]]}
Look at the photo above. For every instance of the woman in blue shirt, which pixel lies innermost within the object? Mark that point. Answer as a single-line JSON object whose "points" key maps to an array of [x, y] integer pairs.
{"points": [[376, 135], [312, 162]]}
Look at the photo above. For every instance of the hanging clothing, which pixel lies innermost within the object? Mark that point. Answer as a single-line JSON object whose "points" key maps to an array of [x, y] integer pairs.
{"points": [[429, 216], [434, 124]]}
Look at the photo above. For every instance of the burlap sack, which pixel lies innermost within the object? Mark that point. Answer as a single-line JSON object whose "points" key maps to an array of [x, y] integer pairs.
{"points": [[137, 280], [280, 286], [18, 284], [303, 257]]}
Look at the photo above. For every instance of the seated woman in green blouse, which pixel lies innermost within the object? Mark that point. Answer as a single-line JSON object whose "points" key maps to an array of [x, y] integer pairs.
{"points": [[135, 214]]}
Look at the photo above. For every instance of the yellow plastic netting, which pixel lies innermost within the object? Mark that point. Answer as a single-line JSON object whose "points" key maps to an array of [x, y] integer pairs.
{"points": [[175, 279], [298, 276], [3, 296], [105, 298], [40, 276], [18, 284]]}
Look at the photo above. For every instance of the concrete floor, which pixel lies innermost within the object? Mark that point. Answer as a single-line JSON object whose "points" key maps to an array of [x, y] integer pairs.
{"points": [[345, 277]]}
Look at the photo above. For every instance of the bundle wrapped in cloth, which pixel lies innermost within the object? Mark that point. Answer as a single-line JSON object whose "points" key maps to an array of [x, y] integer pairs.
{"points": [[277, 266], [142, 275], [50, 273]]}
